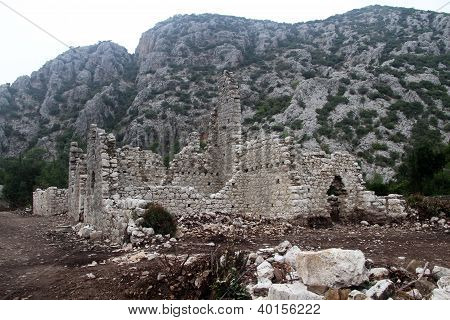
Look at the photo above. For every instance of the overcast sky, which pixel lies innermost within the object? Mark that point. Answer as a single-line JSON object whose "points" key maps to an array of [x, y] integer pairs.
{"points": [[24, 48]]}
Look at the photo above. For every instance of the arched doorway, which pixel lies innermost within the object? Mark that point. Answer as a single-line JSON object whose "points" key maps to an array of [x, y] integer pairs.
{"points": [[336, 194]]}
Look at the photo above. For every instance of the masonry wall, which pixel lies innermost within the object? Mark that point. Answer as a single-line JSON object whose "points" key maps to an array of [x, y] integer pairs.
{"points": [[137, 168], [49, 202]]}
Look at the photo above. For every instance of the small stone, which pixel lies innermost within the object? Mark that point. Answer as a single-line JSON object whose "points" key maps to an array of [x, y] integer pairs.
{"points": [[413, 265], [291, 291], [424, 286], [337, 294], [357, 295], [378, 273], [265, 270], [364, 223], [444, 283], [291, 256], [382, 290], [262, 287], [415, 294], [439, 272], [90, 275]]}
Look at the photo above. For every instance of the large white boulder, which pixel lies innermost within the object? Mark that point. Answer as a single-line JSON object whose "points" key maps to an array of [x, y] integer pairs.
{"points": [[444, 283], [332, 268], [291, 291]]}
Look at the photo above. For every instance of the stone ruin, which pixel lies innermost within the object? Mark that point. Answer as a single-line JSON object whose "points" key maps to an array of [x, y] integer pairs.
{"points": [[264, 177]]}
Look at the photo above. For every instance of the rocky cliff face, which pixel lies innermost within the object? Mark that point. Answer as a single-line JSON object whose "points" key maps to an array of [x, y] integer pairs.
{"points": [[363, 81]]}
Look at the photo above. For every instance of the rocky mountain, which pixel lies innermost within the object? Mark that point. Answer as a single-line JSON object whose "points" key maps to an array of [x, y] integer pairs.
{"points": [[367, 81]]}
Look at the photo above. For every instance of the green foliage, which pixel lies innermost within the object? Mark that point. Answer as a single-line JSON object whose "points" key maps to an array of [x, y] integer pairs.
{"points": [[377, 185], [409, 109], [22, 175], [379, 146], [428, 207], [159, 219], [227, 271], [270, 107], [296, 124]]}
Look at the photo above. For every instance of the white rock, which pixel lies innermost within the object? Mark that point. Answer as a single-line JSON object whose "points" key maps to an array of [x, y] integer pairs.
{"points": [[439, 272], [364, 223], [382, 290], [85, 232], [265, 270], [279, 258], [90, 275], [414, 293], [291, 256], [332, 268], [291, 291], [148, 231], [440, 294], [427, 271], [283, 247], [444, 283], [262, 287], [378, 273], [259, 260], [356, 295]]}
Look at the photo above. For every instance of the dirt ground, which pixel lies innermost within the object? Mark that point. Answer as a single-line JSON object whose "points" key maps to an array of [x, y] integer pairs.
{"points": [[43, 258]]}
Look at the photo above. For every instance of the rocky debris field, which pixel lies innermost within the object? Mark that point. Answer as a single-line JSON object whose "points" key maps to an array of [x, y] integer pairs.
{"points": [[49, 258]]}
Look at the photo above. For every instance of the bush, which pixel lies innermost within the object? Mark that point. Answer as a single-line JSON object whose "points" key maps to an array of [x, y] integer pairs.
{"points": [[159, 219], [227, 271], [377, 185]]}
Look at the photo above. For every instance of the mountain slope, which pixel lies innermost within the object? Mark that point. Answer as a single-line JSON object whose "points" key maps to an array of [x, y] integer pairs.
{"points": [[363, 81]]}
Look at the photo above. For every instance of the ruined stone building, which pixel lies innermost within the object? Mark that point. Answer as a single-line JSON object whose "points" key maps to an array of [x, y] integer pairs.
{"points": [[266, 177]]}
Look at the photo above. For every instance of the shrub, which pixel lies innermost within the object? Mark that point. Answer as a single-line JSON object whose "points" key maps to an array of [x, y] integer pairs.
{"points": [[159, 219], [377, 185], [227, 270]]}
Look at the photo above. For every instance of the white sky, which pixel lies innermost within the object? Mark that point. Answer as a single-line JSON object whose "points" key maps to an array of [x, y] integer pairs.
{"points": [[24, 48]]}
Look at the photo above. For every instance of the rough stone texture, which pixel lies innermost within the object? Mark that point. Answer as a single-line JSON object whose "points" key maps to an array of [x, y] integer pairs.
{"points": [[439, 272], [332, 268], [382, 290], [50, 201], [291, 291], [262, 177]]}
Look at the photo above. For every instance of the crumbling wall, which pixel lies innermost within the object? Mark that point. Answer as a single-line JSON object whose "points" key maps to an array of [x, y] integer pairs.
{"points": [[76, 192], [316, 174], [137, 168], [49, 202]]}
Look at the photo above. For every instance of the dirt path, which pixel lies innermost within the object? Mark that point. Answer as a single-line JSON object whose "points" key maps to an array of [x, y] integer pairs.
{"points": [[42, 258]]}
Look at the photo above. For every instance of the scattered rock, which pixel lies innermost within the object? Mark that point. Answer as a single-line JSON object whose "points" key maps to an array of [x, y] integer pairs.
{"points": [[357, 295], [364, 223], [265, 270], [415, 294], [413, 265], [424, 286], [283, 247], [382, 290], [337, 294], [291, 291], [378, 273], [332, 268], [444, 283], [440, 294], [439, 272], [291, 256], [262, 287], [90, 275]]}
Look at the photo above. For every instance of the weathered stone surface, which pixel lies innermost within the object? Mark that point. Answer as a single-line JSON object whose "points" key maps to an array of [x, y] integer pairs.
{"points": [[378, 273], [382, 290], [440, 294], [291, 291], [439, 272], [424, 286], [357, 295], [444, 283], [265, 270], [332, 267], [291, 256]]}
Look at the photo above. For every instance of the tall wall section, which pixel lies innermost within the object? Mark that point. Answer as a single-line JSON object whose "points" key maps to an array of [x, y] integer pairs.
{"points": [[49, 202]]}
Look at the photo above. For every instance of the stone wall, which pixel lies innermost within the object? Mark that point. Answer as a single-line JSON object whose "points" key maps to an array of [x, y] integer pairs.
{"points": [[261, 177], [49, 202]]}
